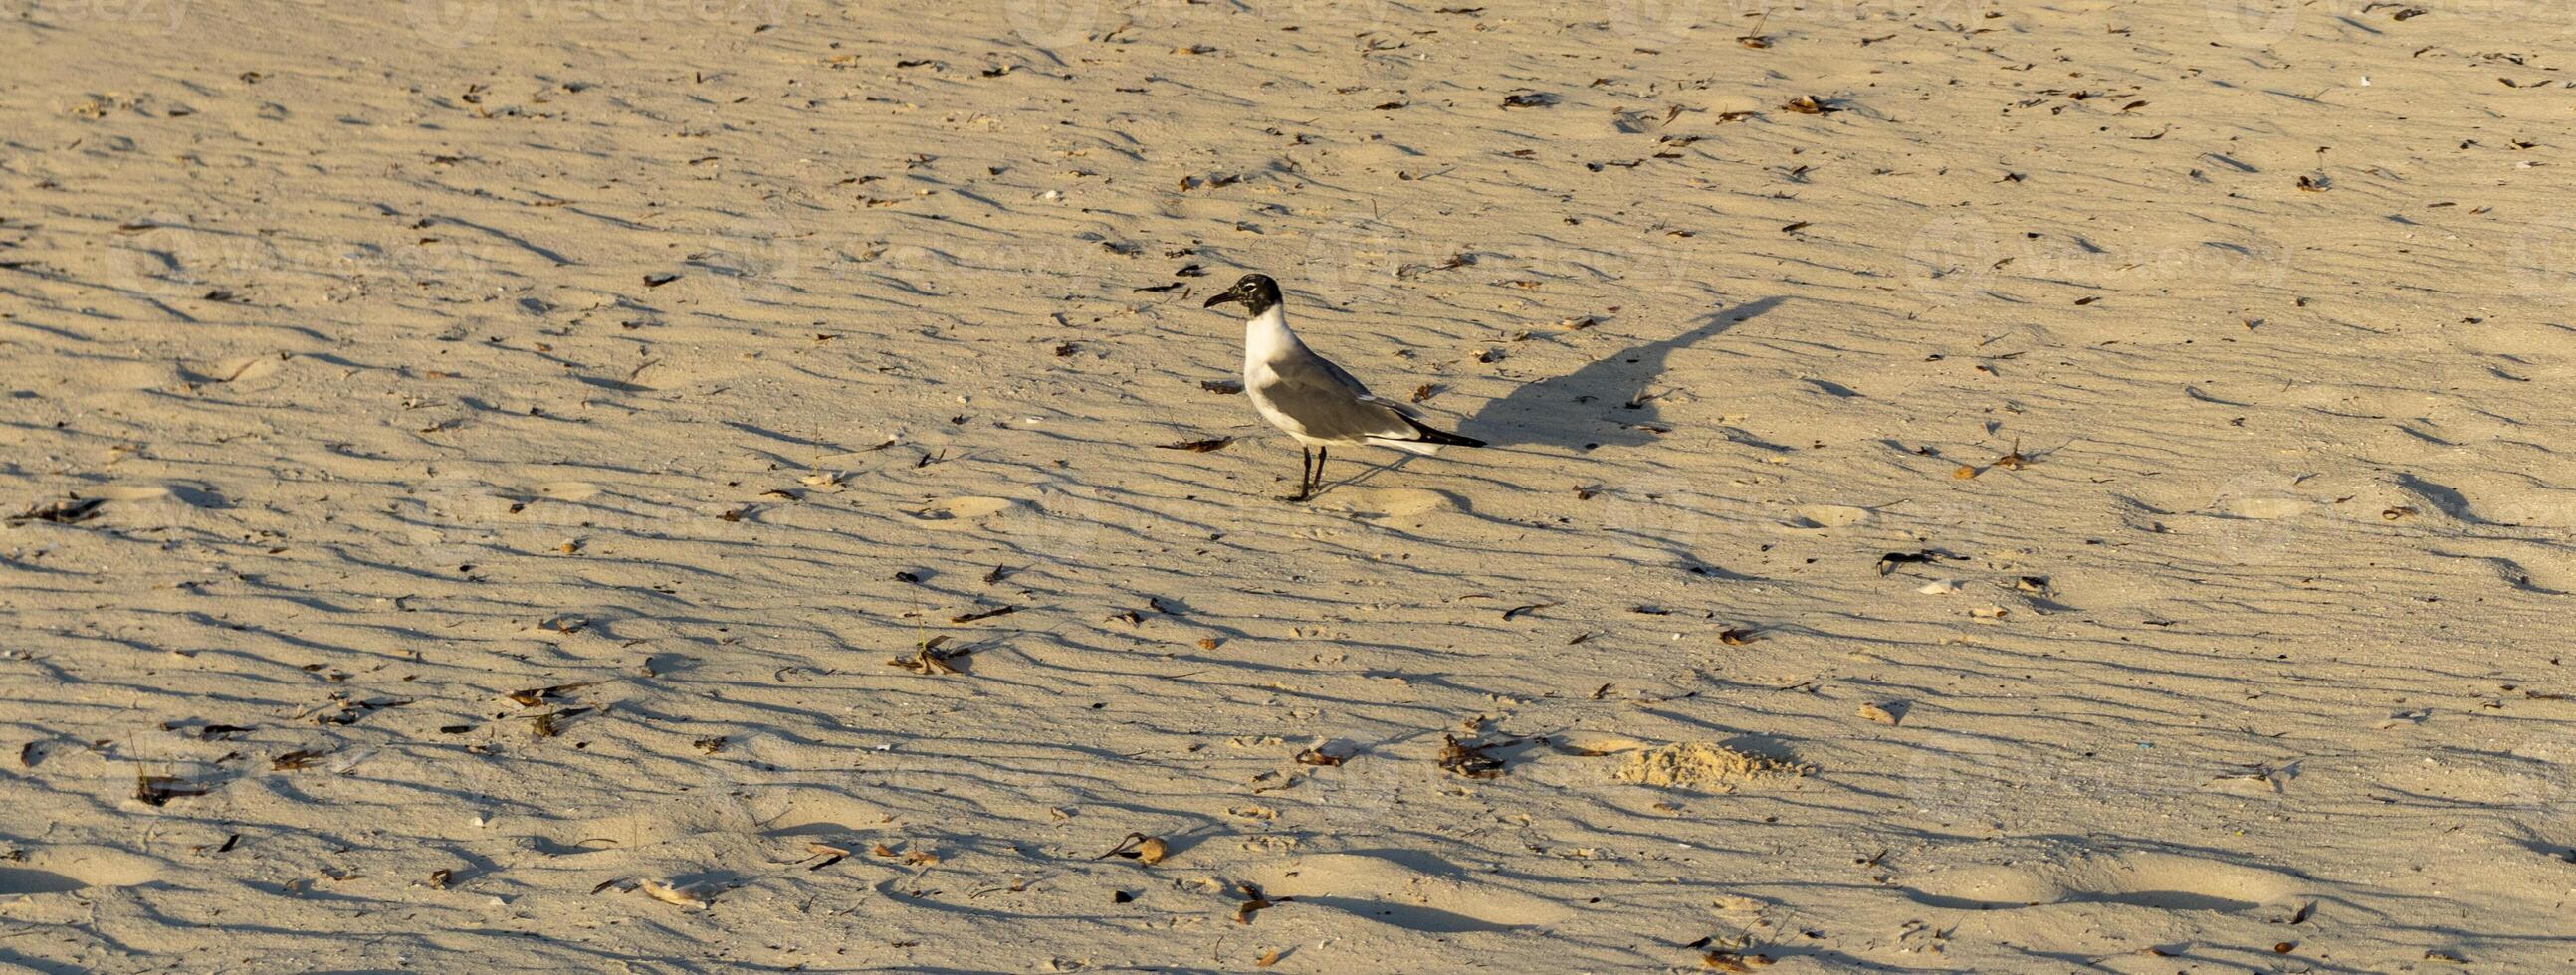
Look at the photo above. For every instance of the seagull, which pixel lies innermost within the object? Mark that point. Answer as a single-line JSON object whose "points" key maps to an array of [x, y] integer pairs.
{"points": [[1311, 398]]}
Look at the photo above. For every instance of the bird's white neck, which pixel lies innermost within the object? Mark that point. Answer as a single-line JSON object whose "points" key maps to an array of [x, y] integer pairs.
{"points": [[1266, 335]]}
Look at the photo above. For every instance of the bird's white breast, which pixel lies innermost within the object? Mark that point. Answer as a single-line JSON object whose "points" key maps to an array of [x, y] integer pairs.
{"points": [[1265, 338]]}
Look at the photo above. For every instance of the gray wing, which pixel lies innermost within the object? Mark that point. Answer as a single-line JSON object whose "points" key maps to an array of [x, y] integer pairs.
{"points": [[1331, 403]]}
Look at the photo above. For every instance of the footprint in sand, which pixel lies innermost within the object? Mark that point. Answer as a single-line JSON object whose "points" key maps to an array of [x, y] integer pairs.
{"points": [[2264, 508], [132, 376], [1393, 502], [17, 881], [681, 825], [2159, 881], [243, 370], [166, 505], [1818, 519], [2537, 773], [2257, 523], [820, 814], [949, 514], [1405, 889], [128, 492], [63, 870], [568, 490]]}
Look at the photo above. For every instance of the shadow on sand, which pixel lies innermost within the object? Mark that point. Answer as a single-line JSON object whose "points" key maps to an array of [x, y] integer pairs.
{"points": [[1598, 405]]}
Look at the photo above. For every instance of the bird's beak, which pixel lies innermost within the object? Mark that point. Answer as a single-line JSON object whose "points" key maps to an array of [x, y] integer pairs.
{"points": [[1222, 299]]}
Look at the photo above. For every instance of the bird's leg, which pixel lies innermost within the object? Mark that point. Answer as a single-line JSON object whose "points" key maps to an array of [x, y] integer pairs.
{"points": [[1305, 475], [1322, 454]]}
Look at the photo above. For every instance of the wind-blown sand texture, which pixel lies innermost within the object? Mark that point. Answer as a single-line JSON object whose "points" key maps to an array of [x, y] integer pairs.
{"points": [[521, 484]]}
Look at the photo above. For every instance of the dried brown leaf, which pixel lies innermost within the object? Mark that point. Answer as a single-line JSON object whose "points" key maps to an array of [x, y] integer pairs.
{"points": [[156, 790], [1254, 901], [1138, 846], [296, 760], [2013, 461], [929, 660], [1468, 760], [550, 724], [830, 854], [537, 696], [67, 512], [673, 895]]}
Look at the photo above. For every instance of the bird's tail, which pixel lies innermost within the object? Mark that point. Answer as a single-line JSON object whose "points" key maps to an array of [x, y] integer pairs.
{"points": [[1429, 435]]}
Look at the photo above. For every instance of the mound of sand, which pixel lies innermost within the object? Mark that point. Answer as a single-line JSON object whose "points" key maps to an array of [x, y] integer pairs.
{"points": [[1699, 765]]}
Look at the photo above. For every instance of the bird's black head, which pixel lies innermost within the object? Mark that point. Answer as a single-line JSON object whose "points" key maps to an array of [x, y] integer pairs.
{"points": [[1256, 291]]}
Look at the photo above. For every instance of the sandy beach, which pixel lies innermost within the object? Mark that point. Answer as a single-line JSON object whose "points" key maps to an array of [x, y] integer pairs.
{"points": [[640, 485]]}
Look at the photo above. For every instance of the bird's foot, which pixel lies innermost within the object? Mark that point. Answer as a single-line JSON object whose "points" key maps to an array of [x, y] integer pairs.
{"points": [[1297, 498]]}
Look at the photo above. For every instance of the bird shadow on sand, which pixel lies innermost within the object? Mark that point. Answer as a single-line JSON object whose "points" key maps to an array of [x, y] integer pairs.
{"points": [[1602, 404]]}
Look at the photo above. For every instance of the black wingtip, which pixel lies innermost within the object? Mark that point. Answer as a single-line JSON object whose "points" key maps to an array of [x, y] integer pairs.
{"points": [[1429, 435]]}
